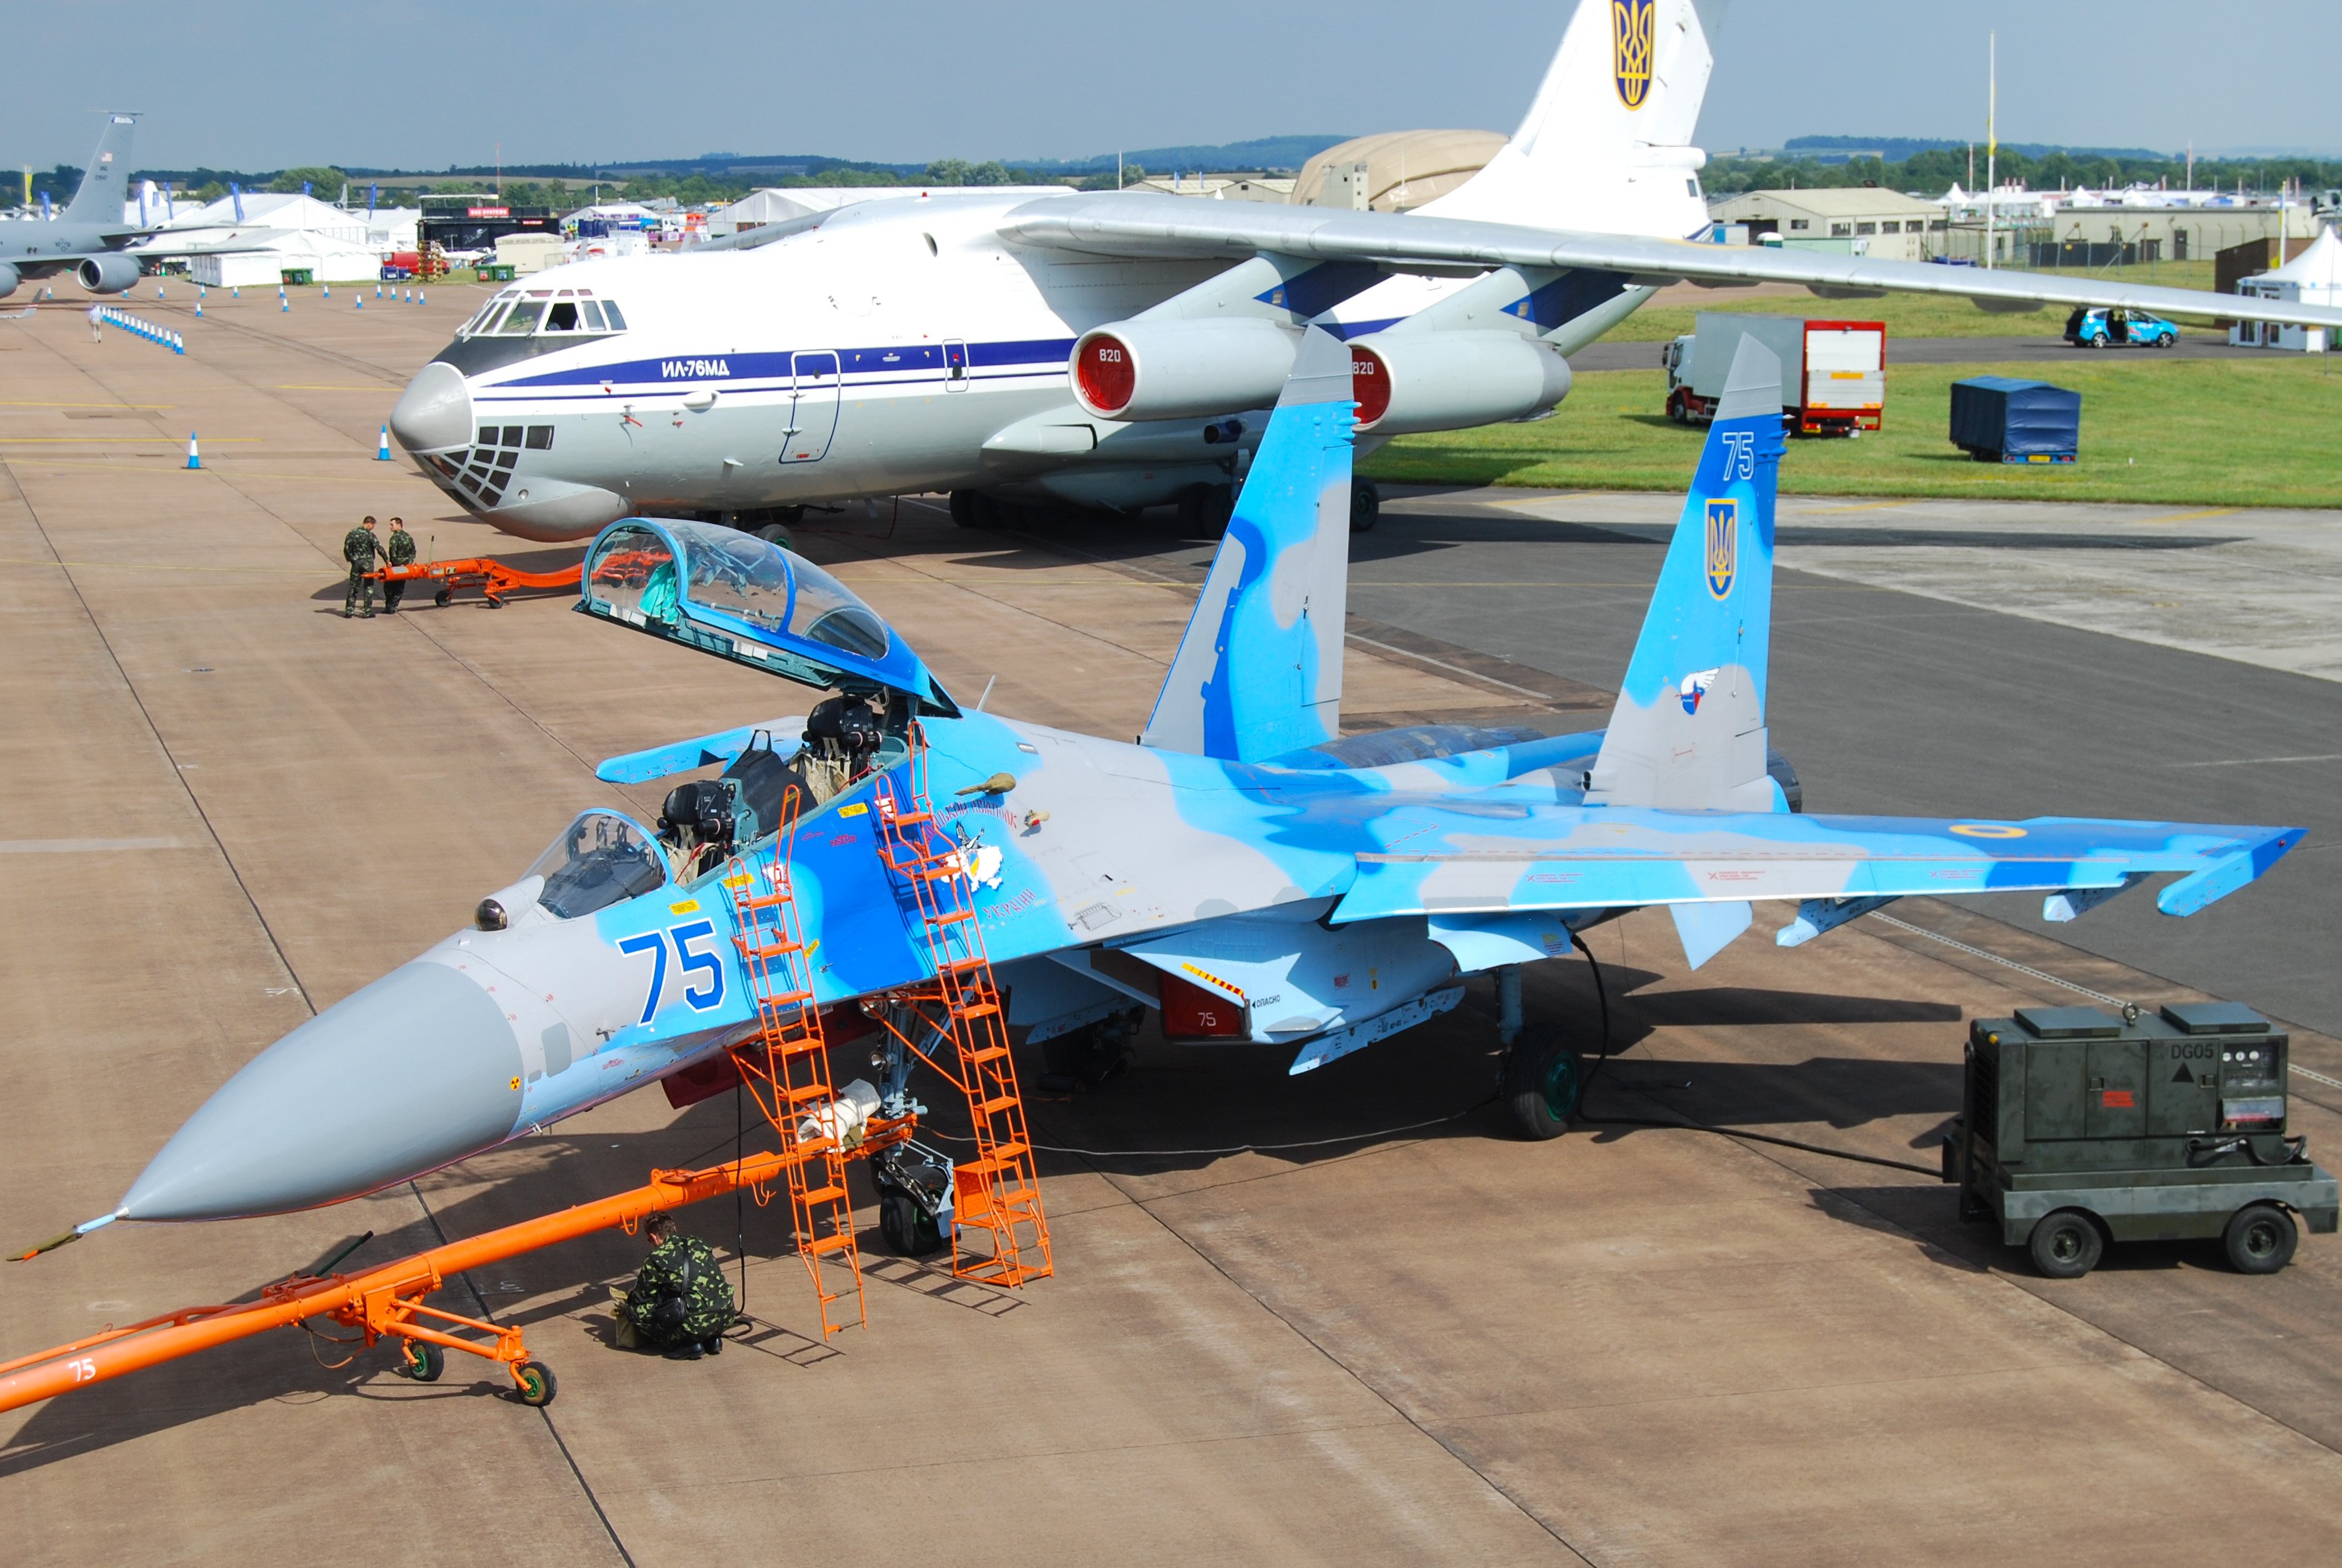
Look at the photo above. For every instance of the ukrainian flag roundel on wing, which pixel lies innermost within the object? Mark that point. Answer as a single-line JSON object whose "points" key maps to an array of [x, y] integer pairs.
{"points": [[1723, 546], [1633, 24]]}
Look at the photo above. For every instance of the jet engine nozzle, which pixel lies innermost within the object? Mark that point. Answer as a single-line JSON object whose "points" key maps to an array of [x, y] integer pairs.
{"points": [[112, 273], [1137, 370], [417, 1070], [1446, 380]]}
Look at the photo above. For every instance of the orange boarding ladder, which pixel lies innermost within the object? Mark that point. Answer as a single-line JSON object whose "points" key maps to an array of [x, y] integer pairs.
{"points": [[997, 1189], [786, 1065]]}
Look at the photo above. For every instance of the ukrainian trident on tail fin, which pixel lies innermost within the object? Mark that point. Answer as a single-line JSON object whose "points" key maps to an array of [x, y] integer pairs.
{"points": [[1689, 731], [1259, 671]]}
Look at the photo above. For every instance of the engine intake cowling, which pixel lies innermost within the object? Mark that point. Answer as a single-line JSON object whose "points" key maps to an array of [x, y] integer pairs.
{"points": [[9, 278], [1407, 382], [1133, 370], [112, 273]]}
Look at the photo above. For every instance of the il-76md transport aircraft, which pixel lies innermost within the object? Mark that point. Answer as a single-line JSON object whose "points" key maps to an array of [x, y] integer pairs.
{"points": [[1117, 350]]}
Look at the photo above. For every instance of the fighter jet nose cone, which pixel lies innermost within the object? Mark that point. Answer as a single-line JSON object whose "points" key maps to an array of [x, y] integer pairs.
{"points": [[434, 411], [418, 1069]]}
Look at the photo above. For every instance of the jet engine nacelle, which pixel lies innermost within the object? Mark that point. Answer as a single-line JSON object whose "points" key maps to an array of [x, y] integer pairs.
{"points": [[112, 273], [9, 278], [1411, 380], [1131, 370]]}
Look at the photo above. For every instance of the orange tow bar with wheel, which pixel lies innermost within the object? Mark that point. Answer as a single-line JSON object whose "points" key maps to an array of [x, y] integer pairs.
{"points": [[495, 581], [387, 1302]]}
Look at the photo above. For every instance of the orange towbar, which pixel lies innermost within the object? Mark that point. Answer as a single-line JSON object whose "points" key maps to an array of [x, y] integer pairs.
{"points": [[386, 1300], [495, 581]]}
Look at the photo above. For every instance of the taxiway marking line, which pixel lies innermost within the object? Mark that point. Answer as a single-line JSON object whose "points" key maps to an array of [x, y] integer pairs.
{"points": [[85, 846]]}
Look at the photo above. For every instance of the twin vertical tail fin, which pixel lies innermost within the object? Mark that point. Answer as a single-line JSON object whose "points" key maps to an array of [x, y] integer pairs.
{"points": [[1688, 732], [1606, 144], [105, 183], [1258, 673]]}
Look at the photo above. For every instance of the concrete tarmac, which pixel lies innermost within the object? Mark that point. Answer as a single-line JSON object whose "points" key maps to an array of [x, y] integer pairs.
{"points": [[1398, 1335]]}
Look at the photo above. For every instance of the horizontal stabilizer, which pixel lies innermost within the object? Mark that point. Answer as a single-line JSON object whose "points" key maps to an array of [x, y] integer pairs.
{"points": [[1462, 858]]}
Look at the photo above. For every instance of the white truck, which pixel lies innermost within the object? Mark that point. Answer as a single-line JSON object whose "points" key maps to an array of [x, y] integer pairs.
{"points": [[1832, 373]]}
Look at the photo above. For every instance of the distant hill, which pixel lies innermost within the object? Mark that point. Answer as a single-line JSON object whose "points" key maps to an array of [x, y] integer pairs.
{"points": [[1897, 149], [1261, 153]]}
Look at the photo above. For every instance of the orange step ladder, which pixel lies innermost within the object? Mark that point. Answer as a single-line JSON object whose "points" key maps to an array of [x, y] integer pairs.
{"points": [[786, 1065], [995, 1191]]}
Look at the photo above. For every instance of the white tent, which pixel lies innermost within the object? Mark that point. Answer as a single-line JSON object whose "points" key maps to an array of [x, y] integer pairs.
{"points": [[2313, 277], [275, 233], [772, 206]]}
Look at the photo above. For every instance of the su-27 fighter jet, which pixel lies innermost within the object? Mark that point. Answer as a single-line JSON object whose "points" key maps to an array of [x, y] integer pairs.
{"points": [[1256, 880], [87, 237], [1119, 350]]}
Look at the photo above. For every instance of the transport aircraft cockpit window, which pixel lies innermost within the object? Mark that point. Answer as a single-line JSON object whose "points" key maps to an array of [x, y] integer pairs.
{"points": [[599, 860], [563, 317], [523, 319]]}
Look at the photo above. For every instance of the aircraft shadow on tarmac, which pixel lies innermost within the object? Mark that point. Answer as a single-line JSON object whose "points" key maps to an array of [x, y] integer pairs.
{"points": [[1176, 1109]]}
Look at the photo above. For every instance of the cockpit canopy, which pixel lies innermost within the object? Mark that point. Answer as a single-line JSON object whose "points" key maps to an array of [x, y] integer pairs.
{"points": [[547, 312], [750, 601]]}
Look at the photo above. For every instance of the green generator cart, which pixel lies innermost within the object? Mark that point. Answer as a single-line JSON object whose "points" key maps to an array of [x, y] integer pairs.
{"points": [[2079, 1127]]}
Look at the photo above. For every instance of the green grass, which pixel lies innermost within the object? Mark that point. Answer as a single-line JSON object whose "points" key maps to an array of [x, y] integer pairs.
{"points": [[1906, 315], [2186, 433]]}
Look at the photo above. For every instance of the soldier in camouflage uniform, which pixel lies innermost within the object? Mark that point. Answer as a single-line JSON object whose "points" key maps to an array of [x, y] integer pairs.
{"points": [[402, 553], [681, 1303], [359, 546]]}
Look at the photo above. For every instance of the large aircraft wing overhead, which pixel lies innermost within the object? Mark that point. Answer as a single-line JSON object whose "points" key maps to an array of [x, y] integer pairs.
{"points": [[1144, 224], [1258, 673], [1481, 856]]}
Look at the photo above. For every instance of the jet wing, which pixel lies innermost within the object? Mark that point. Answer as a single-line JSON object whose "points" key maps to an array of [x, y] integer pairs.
{"points": [[1483, 857], [1148, 225]]}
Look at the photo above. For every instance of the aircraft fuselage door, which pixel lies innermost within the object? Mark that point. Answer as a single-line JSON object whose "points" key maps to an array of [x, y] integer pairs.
{"points": [[954, 365], [813, 412]]}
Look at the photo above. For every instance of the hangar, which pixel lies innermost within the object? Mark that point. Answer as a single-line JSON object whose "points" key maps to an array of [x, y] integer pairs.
{"points": [[1859, 220], [1394, 170]]}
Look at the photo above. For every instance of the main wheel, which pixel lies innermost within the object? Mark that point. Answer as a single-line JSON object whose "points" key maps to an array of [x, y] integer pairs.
{"points": [[894, 1225], [975, 509], [538, 1384], [1365, 505], [2065, 1245], [1542, 1085], [424, 1360], [2260, 1239], [1203, 510]]}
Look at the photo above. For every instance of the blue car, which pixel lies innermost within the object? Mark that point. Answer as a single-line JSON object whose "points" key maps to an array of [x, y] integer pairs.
{"points": [[2115, 328]]}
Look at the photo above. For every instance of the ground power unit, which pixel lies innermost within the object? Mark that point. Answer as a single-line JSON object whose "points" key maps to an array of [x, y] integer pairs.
{"points": [[2079, 1127]]}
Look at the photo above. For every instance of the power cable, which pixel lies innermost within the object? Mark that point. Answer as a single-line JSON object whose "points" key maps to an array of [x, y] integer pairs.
{"points": [[1602, 997]]}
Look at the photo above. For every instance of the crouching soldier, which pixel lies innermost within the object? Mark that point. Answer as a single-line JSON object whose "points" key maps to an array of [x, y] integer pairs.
{"points": [[681, 1303]]}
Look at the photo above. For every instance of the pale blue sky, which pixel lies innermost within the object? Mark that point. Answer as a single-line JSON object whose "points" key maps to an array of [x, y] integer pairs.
{"points": [[263, 84]]}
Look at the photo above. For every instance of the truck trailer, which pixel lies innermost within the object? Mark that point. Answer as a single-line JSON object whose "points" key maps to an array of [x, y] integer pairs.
{"points": [[1832, 373]]}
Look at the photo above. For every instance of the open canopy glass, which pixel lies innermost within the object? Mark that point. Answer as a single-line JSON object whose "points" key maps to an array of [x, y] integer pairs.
{"points": [[750, 601]]}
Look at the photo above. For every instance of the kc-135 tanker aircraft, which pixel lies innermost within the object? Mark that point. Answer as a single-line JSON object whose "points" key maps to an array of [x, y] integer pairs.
{"points": [[1260, 882], [1117, 350]]}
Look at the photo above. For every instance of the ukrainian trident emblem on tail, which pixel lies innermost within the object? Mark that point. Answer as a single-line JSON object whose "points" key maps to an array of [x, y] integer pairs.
{"points": [[1723, 546], [1633, 24]]}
